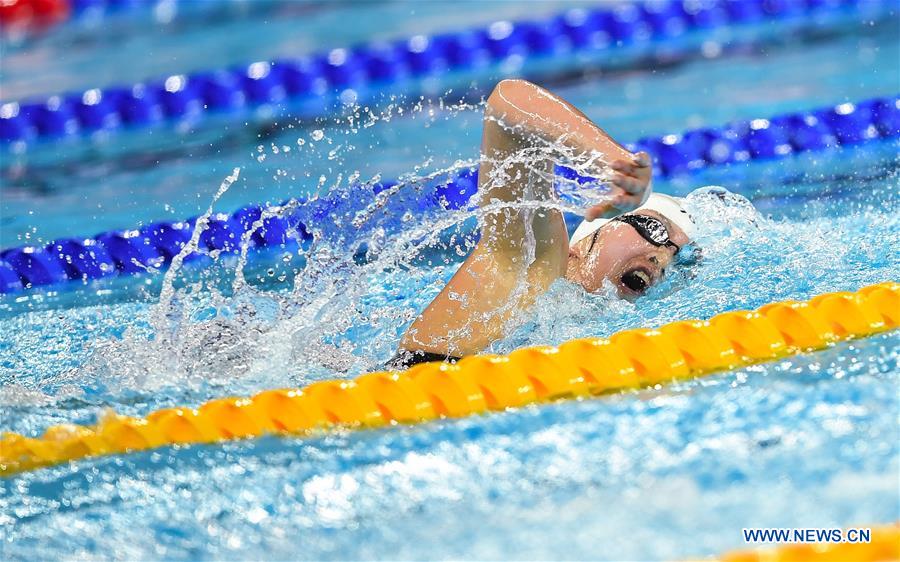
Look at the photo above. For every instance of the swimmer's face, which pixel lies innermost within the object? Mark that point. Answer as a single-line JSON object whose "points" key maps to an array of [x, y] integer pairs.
{"points": [[620, 255]]}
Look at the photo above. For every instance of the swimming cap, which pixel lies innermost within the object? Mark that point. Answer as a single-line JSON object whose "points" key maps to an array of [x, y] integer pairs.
{"points": [[665, 205]]}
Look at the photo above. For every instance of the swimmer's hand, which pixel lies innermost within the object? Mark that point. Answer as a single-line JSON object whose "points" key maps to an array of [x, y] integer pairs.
{"points": [[629, 187]]}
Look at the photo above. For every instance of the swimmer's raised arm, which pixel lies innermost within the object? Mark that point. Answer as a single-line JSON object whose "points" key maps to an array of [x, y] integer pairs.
{"points": [[522, 249], [523, 117]]}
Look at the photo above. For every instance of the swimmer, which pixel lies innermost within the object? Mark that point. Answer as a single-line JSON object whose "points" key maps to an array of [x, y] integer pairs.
{"points": [[628, 240]]}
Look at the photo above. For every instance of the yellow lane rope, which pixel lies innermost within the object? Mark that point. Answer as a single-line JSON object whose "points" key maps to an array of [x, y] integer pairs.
{"points": [[884, 546], [579, 368]]}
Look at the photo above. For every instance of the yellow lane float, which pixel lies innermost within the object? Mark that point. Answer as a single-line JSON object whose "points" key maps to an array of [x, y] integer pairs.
{"points": [[586, 367]]}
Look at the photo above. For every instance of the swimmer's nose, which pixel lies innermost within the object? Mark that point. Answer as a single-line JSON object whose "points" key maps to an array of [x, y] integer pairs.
{"points": [[662, 256]]}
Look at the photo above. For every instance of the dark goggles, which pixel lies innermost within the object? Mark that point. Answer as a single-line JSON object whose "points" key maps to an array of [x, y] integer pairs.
{"points": [[651, 229], [655, 232]]}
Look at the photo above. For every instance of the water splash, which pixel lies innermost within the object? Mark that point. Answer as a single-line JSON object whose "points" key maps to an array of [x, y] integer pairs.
{"points": [[335, 300], [192, 246]]}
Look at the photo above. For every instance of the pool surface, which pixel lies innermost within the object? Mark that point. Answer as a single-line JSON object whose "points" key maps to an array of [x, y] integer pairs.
{"points": [[672, 472]]}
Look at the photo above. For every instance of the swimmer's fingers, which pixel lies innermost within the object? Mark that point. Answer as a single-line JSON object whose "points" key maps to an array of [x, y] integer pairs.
{"points": [[629, 176], [603, 210], [637, 166], [642, 160], [629, 184], [615, 205], [625, 167]]}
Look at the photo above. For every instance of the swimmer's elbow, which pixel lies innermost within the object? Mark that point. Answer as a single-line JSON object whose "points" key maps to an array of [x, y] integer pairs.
{"points": [[508, 86], [509, 94]]}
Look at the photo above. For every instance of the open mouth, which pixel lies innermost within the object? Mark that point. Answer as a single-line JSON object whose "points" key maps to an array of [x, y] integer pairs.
{"points": [[636, 280]]}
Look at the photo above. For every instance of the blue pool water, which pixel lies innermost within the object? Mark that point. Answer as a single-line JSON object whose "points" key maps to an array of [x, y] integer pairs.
{"points": [[671, 473]]}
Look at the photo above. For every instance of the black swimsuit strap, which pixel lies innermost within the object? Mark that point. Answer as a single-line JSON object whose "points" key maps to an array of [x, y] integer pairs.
{"points": [[406, 359]]}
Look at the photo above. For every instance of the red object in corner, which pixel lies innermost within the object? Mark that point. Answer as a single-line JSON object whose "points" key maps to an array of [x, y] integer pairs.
{"points": [[22, 13]]}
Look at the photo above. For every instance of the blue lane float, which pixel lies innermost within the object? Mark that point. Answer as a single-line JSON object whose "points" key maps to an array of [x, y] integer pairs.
{"points": [[375, 67], [153, 246]]}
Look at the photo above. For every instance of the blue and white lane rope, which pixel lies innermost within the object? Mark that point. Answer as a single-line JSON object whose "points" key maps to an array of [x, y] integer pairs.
{"points": [[376, 67], [153, 246]]}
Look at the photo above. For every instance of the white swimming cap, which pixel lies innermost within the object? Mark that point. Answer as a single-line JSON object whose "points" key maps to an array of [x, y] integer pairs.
{"points": [[665, 205]]}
